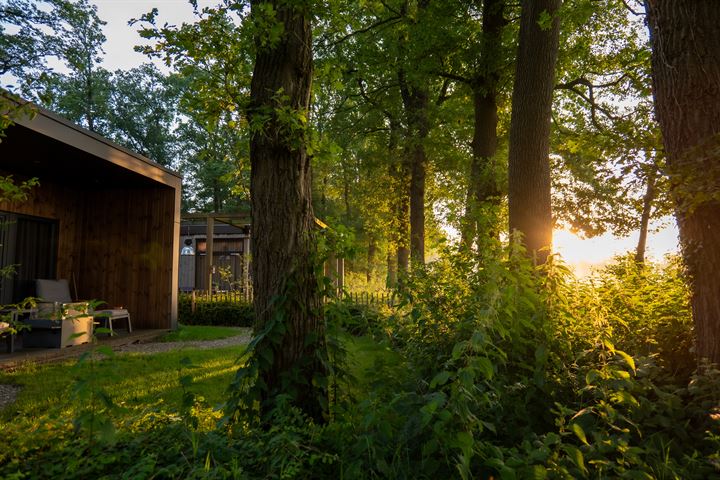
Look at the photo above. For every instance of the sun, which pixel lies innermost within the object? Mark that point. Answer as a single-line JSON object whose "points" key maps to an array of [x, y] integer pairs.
{"points": [[584, 254]]}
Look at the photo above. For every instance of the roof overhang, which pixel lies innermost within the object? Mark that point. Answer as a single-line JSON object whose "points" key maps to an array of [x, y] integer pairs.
{"points": [[42, 144]]}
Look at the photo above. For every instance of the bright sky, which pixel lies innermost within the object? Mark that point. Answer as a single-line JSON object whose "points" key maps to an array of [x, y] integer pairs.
{"points": [[582, 254], [585, 254], [121, 38]]}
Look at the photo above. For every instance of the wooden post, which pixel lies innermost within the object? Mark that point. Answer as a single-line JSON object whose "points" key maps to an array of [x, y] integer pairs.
{"points": [[246, 268], [340, 282], [209, 251]]}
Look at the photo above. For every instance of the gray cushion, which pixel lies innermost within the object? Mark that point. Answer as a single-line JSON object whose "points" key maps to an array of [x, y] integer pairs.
{"points": [[53, 290]]}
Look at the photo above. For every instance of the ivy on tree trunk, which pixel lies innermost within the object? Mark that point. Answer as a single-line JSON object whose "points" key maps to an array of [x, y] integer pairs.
{"points": [[287, 298], [685, 35]]}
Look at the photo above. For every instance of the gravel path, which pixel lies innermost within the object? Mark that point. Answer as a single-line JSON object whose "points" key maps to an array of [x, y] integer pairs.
{"points": [[8, 393], [159, 347]]}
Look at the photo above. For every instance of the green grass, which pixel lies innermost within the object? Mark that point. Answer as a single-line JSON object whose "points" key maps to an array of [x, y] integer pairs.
{"points": [[188, 333], [134, 382]]}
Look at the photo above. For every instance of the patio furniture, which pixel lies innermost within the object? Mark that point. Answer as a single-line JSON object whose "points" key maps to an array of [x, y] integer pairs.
{"points": [[7, 332], [60, 322], [15, 317], [107, 317]]}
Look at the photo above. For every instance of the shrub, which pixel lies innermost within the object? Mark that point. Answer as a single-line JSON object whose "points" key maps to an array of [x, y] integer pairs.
{"points": [[215, 311]]}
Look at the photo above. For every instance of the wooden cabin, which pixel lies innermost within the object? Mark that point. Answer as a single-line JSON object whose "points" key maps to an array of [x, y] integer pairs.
{"points": [[215, 251], [230, 245], [104, 218]]}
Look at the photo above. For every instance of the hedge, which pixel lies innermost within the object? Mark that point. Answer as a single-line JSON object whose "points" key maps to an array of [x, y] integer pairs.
{"points": [[215, 312]]}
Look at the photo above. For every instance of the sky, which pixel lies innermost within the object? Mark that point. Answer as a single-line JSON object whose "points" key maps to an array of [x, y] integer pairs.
{"points": [[582, 254]]}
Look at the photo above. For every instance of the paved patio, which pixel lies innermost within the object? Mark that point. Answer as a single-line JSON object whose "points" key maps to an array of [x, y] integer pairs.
{"points": [[11, 361]]}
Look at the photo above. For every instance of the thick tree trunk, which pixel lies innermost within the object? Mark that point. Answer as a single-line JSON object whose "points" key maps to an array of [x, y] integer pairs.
{"points": [[483, 190], [403, 213], [645, 219], [529, 163], [416, 102], [685, 38], [284, 284]]}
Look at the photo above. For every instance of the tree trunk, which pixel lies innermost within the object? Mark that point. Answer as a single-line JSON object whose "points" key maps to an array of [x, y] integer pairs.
{"points": [[482, 187], [645, 219], [391, 281], [372, 250], [416, 102], [283, 245], [685, 36], [529, 163], [403, 211]]}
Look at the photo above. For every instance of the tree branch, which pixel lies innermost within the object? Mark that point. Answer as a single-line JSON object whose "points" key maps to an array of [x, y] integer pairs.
{"points": [[377, 24]]}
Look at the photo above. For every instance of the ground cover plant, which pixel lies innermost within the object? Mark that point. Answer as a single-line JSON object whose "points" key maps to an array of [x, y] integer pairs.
{"points": [[483, 370]]}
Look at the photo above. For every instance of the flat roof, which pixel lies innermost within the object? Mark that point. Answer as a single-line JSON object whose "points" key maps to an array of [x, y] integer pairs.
{"points": [[20, 152]]}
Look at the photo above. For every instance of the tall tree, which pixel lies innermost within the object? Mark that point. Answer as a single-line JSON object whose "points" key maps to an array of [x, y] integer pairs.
{"points": [[142, 112], [483, 194], [529, 163], [285, 289], [27, 39], [685, 36], [82, 94]]}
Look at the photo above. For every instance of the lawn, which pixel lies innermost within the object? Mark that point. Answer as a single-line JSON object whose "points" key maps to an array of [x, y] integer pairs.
{"points": [[188, 333], [132, 381]]}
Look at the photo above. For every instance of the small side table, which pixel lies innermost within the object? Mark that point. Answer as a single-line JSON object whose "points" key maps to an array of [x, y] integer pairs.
{"points": [[107, 317]]}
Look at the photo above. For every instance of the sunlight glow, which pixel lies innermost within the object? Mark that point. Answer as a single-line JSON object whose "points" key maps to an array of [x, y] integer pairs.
{"points": [[586, 254]]}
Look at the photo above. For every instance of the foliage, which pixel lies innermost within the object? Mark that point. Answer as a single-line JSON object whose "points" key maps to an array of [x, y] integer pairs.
{"points": [[214, 311], [484, 369]]}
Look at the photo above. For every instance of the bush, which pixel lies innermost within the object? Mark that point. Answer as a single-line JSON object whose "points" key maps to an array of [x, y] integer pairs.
{"points": [[215, 311]]}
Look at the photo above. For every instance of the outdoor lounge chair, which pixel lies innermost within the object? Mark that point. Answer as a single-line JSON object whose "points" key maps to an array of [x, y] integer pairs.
{"points": [[59, 321]]}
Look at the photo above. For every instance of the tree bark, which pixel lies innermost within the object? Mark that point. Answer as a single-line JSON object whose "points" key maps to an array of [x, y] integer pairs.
{"points": [[529, 163], [648, 200], [372, 250], [416, 101], [283, 245], [685, 39], [398, 171], [402, 220], [482, 187], [391, 281]]}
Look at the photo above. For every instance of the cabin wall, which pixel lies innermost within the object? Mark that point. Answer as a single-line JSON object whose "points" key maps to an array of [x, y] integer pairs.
{"points": [[63, 203], [114, 244], [128, 252]]}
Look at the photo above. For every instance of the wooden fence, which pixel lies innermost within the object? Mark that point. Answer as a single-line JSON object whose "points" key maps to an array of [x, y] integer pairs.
{"points": [[237, 296], [383, 297]]}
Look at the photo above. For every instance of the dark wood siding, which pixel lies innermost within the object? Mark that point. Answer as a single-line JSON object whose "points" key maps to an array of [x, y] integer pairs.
{"points": [[115, 244], [128, 248]]}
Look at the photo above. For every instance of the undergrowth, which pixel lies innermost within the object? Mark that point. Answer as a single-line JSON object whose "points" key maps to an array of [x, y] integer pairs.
{"points": [[486, 369]]}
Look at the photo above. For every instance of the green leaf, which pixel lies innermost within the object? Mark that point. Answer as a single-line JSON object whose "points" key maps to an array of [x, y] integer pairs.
{"points": [[440, 379], [464, 440], [592, 375], [458, 350], [576, 456], [539, 472], [628, 359], [485, 366], [579, 432]]}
